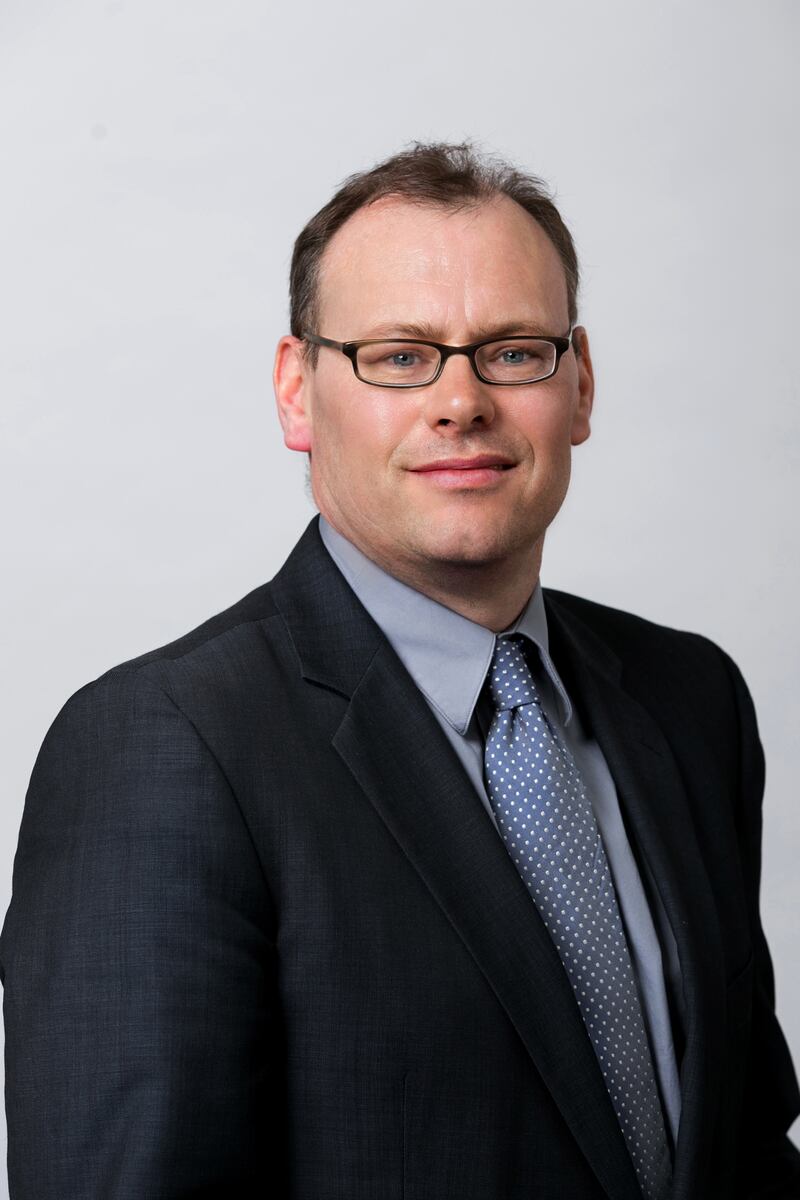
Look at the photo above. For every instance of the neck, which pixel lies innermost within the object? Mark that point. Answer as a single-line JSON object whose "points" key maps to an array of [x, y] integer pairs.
{"points": [[493, 599], [491, 594]]}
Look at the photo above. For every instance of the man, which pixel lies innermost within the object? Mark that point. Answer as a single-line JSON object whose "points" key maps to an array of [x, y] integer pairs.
{"points": [[404, 876]]}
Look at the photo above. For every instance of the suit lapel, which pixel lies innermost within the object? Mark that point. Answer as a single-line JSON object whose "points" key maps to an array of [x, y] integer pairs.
{"points": [[393, 746], [654, 800]]}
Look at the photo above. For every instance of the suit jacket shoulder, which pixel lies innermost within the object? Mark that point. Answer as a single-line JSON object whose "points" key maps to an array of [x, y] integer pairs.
{"points": [[634, 637], [672, 672]]}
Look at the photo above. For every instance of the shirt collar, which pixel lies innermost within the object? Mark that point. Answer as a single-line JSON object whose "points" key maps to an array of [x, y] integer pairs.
{"points": [[447, 655]]}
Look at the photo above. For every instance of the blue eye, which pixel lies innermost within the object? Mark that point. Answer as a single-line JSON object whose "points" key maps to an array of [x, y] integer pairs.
{"points": [[394, 362]]}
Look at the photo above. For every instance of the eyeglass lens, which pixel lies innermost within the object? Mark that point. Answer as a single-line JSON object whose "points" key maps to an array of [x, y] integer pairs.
{"points": [[522, 361]]}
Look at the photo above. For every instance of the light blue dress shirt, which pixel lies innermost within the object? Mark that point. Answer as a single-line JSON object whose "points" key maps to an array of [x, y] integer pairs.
{"points": [[448, 657]]}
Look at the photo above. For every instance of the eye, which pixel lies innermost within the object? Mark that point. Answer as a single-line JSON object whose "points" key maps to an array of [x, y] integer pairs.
{"points": [[402, 358], [397, 362], [524, 360], [517, 356]]}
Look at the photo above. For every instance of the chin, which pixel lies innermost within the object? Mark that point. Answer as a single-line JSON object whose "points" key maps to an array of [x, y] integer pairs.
{"points": [[467, 546]]}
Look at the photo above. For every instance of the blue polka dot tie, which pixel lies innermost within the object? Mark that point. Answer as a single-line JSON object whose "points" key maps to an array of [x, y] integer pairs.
{"points": [[549, 828]]}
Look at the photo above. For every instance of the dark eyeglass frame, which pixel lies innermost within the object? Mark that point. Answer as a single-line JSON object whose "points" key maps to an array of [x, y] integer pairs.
{"points": [[561, 343]]}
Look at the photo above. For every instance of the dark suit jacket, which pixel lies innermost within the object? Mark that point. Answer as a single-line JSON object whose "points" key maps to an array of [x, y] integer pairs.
{"points": [[264, 940]]}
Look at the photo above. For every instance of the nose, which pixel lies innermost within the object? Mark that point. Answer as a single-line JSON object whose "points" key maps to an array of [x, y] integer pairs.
{"points": [[458, 400]]}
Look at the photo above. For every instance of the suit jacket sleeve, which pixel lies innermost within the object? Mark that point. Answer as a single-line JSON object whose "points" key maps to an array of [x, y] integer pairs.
{"points": [[771, 1161], [142, 1047]]}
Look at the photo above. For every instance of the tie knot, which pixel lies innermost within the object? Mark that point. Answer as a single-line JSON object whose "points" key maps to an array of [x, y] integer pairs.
{"points": [[510, 679]]}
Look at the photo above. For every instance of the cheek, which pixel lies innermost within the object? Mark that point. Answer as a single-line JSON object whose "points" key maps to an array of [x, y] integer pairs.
{"points": [[547, 428], [388, 418], [360, 432]]}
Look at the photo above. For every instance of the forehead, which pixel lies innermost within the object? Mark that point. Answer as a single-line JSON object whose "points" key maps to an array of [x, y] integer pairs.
{"points": [[399, 262]]}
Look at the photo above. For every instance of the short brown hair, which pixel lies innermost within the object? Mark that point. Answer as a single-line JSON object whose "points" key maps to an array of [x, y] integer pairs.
{"points": [[436, 173]]}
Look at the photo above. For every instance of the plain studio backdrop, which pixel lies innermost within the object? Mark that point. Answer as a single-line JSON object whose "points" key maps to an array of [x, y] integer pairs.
{"points": [[158, 160]]}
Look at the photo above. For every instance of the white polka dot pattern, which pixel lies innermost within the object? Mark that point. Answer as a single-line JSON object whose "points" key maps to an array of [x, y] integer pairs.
{"points": [[549, 828]]}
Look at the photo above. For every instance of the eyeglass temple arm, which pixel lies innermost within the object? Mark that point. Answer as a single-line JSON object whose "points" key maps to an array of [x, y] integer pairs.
{"points": [[322, 341]]}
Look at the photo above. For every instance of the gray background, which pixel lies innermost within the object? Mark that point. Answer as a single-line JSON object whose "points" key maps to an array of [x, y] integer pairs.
{"points": [[159, 158]]}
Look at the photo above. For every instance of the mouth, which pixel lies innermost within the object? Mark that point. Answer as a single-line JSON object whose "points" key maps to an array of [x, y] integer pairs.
{"points": [[486, 471], [483, 462]]}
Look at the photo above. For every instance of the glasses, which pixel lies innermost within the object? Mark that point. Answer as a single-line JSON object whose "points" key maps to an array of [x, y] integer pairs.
{"points": [[404, 363]]}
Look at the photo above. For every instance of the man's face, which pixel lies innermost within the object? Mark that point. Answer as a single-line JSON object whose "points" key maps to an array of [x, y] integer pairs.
{"points": [[458, 276]]}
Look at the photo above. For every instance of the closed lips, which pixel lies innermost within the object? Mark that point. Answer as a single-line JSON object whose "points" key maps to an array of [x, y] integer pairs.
{"points": [[465, 464]]}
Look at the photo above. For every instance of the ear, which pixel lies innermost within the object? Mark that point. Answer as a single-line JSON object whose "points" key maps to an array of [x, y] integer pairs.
{"points": [[580, 420], [290, 378]]}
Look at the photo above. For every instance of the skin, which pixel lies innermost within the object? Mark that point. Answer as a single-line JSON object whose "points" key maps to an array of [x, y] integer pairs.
{"points": [[476, 547]]}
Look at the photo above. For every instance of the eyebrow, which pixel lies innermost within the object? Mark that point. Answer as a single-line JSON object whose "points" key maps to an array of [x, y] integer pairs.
{"points": [[430, 333]]}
